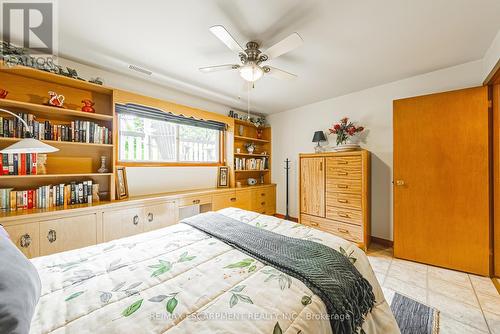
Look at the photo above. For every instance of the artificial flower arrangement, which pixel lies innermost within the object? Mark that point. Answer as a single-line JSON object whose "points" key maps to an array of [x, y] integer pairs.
{"points": [[345, 130]]}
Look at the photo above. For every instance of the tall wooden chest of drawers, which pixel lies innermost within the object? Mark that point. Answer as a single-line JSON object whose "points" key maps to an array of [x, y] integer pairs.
{"points": [[335, 194]]}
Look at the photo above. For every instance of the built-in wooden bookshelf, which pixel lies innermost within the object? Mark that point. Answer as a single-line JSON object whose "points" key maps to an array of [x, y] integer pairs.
{"points": [[245, 133], [75, 161]]}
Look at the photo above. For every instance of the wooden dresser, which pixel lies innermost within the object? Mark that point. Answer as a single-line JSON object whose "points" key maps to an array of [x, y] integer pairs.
{"points": [[335, 194]]}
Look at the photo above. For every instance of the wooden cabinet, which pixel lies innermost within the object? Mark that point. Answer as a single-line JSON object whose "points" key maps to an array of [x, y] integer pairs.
{"points": [[224, 200], [122, 223], [159, 215], [335, 194], [442, 180], [64, 234], [243, 199], [312, 186], [264, 200], [26, 238]]}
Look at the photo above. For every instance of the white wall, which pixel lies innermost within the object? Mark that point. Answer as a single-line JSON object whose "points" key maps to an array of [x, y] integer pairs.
{"points": [[147, 180], [492, 56], [292, 132]]}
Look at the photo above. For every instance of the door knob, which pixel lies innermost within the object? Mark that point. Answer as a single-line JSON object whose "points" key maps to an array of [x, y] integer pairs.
{"points": [[400, 182]]}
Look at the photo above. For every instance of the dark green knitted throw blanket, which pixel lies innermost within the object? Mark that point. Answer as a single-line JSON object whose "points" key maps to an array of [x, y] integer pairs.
{"points": [[330, 275]]}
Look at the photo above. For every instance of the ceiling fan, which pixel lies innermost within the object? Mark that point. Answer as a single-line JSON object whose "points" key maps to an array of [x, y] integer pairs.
{"points": [[251, 68]]}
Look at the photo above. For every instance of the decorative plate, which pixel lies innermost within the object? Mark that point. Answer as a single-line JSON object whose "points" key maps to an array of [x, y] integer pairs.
{"points": [[346, 147]]}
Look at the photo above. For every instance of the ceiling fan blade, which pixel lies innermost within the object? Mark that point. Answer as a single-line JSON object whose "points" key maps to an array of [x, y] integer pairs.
{"points": [[278, 74], [286, 45], [210, 69], [225, 37]]}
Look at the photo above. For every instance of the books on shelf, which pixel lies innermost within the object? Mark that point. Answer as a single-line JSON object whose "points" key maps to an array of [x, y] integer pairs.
{"points": [[47, 196], [18, 164], [75, 131], [251, 163]]}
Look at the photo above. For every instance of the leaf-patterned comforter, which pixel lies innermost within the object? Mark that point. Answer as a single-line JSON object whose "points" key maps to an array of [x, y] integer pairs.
{"points": [[180, 280]]}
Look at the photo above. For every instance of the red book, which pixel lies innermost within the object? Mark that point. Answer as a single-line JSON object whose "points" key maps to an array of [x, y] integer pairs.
{"points": [[22, 170], [25, 199], [30, 199], [33, 163]]}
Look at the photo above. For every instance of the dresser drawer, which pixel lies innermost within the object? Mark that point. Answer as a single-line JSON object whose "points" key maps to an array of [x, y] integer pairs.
{"points": [[352, 201], [195, 200], [26, 237], [344, 161], [343, 186], [344, 214], [347, 231], [225, 200], [352, 173]]}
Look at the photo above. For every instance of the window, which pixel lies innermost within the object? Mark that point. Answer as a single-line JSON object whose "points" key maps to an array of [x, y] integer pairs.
{"points": [[166, 138]]}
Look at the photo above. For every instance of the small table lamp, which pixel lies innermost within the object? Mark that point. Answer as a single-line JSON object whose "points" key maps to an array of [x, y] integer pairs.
{"points": [[27, 144], [318, 137]]}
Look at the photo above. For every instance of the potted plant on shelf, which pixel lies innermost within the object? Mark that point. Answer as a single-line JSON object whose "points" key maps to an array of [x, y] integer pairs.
{"points": [[259, 123], [345, 130], [250, 147]]}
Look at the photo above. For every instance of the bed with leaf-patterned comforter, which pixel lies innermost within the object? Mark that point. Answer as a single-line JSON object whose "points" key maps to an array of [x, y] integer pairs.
{"points": [[180, 280]]}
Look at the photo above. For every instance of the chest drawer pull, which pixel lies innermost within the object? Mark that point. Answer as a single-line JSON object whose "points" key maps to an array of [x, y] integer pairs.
{"points": [[262, 203], [196, 201], [342, 230], [341, 200], [342, 173], [135, 220], [52, 236], [262, 194], [313, 224], [233, 199], [343, 215], [342, 162], [150, 217], [25, 241], [343, 186]]}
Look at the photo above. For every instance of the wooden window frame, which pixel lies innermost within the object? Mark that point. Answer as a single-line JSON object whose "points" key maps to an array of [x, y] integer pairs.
{"points": [[221, 162]]}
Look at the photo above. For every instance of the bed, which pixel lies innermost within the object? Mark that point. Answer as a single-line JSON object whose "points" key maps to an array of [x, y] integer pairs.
{"points": [[180, 280]]}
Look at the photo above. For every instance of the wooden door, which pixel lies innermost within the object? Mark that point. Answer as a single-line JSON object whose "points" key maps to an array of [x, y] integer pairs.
{"points": [[160, 215], [243, 199], [59, 235], [26, 238], [312, 186], [122, 223], [441, 180]]}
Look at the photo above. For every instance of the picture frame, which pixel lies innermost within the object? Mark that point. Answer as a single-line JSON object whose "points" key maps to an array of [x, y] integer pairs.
{"points": [[121, 183], [223, 177]]}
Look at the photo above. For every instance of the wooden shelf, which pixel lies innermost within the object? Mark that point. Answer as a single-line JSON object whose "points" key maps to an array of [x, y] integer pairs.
{"points": [[55, 78], [251, 139], [59, 143], [52, 112], [252, 155], [38, 176], [252, 171], [247, 123]]}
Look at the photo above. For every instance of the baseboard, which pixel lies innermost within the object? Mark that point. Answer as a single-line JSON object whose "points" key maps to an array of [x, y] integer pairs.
{"points": [[383, 242], [280, 216]]}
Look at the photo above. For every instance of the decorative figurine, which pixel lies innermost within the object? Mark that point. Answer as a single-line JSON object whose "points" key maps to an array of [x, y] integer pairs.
{"points": [[88, 106], [96, 80], [56, 100], [103, 168], [259, 133], [250, 147], [3, 93]]}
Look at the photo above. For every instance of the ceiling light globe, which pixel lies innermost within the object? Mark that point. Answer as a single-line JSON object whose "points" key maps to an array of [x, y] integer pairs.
{"points": [[251, 72]]}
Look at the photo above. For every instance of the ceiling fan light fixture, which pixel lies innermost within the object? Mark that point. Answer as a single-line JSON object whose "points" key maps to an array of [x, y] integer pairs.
{"points": [[251, 72]]}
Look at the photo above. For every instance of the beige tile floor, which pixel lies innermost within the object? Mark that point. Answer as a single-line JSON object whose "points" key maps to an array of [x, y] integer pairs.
{"points": [[468, 303]]}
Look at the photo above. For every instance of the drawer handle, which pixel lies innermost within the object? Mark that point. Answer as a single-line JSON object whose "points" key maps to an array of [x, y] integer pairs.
{"points": [[233, 199], [342, 230], [342, 162], [314, 224], [343, 186], [343, 215], [196, 201], [135, 220], [52, 236], [25, 241], [263, 194], [150, 217], [341, 200], [262, 203], [342, 173]]}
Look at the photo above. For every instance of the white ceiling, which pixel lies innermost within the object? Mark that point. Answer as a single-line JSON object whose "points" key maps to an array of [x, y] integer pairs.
{"points": [[348, 45]]}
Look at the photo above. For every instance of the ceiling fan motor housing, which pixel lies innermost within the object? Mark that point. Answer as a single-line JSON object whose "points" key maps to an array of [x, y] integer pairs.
{"points": [[252, 54]]}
